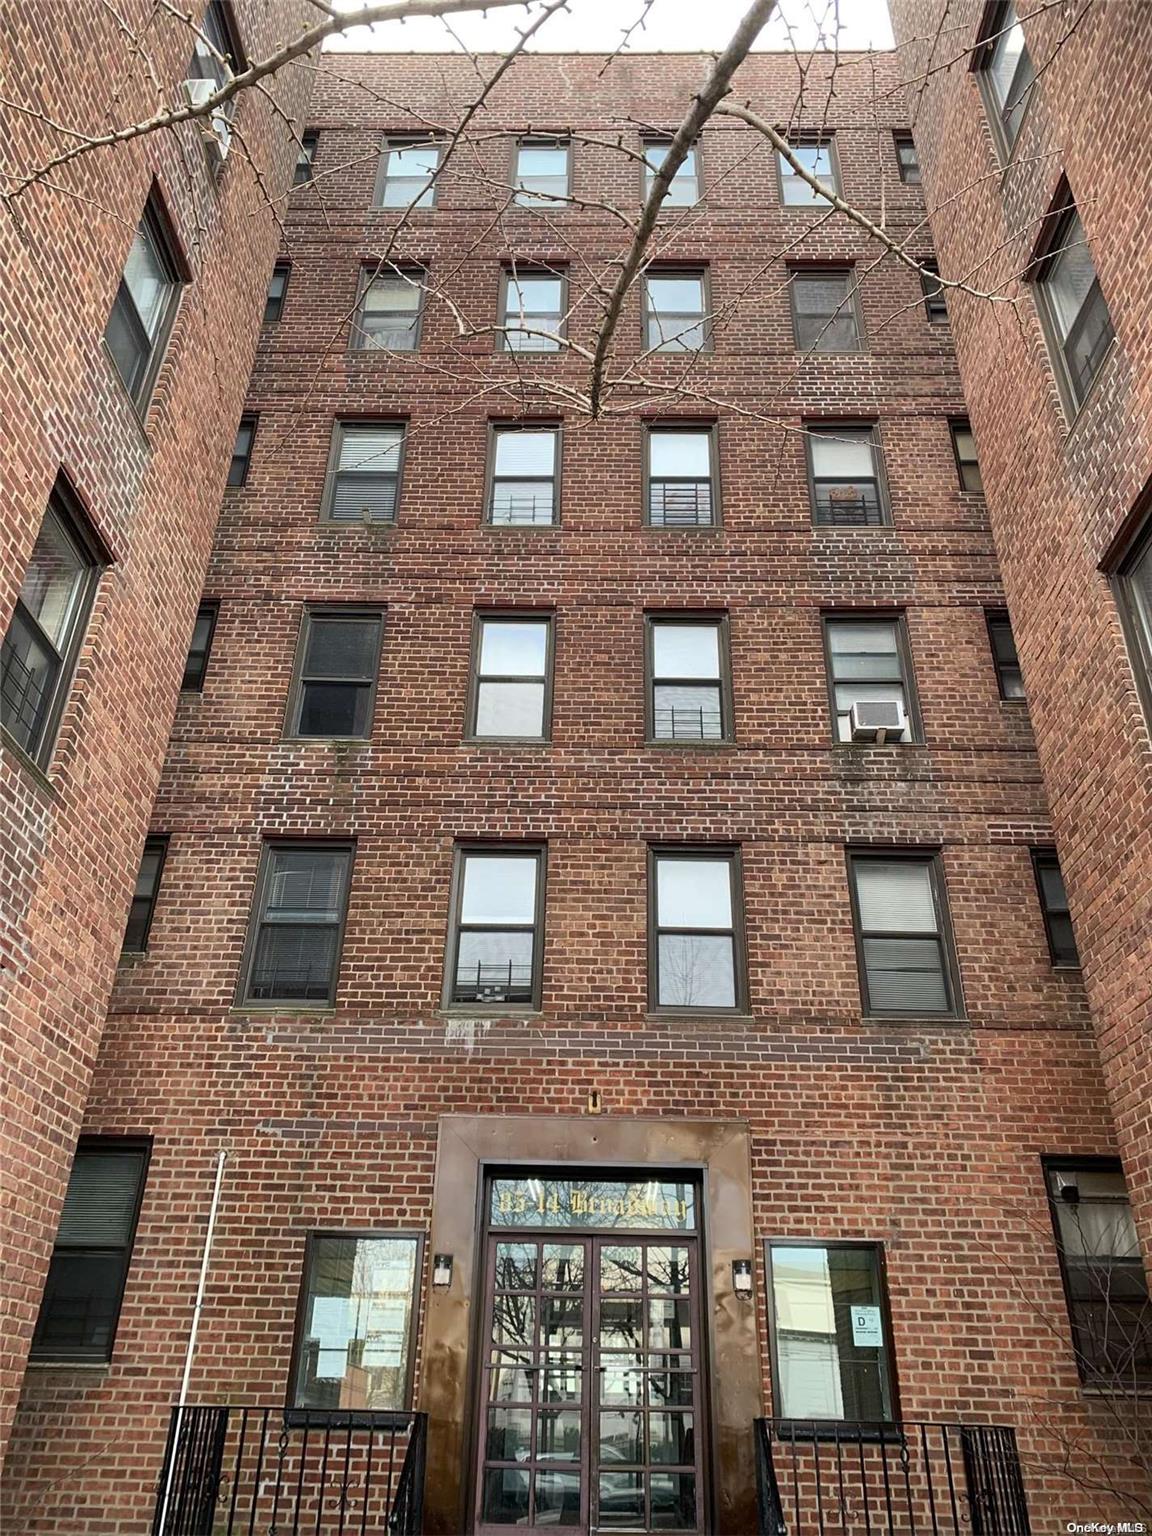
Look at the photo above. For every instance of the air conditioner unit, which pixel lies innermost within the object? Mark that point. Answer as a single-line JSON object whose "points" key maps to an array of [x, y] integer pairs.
{"points": [[879, 721], [216, 127]]}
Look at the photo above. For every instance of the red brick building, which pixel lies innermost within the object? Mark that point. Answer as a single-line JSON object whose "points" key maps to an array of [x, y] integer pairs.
{"points": [[607, 914]]}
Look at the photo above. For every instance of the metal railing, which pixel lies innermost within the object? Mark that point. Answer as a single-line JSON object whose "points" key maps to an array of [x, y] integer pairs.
{"points": [[531, 510], [680, 503], [855, 504], [504, 983], [686, 724], [231, 1470], [829, 1478]]}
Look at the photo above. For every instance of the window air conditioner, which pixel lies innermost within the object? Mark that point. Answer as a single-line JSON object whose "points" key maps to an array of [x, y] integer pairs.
{"points": [[879, 721], [216, 128]]}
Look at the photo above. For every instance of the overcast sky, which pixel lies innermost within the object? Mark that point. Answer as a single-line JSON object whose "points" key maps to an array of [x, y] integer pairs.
{"points": [[595, 26]]}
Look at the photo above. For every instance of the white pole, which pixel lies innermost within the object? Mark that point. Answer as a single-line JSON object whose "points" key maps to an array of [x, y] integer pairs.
{"points": [[221, 1159]]}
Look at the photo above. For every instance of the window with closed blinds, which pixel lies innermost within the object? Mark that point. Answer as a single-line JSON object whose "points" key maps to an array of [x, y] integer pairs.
{"points": [[681, 477], [1054, 906], [89, 1267], [523, 484], [824, 310], [844, 476], [901, 938], [336, 667], [294, 948], [389, 315], [365, 476]]}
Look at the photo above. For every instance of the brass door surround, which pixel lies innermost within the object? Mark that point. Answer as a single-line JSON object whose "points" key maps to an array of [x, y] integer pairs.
{"points": [[470, 1146]]}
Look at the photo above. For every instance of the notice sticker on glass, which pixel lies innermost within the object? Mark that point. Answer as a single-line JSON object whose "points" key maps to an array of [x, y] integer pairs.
{"points": [[866, 1330]]}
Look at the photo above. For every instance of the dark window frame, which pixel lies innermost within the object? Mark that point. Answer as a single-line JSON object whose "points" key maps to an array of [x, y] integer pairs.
{"points": [[817, 427], [648, 174], [371, 272], [993, 618], [956, 425], [817, 203], [482, 616], [542, 141], [306, 159], [702, 618], [713, 853], [852, 306], [933, 859], [209, 609], [276, 302], [701, 270], [515, 272], [902, 140], [934, 299], [339, 426], [219, 18], [269, 846], [1134, 550], [497, 428], [684, 424], [295, 702], [1046, 857], [1050, 1164], [1055, 226], [341, 1417], [399, 141], [155, 842], [988, 34], [163, 235], [65, 507], [249, 422], [816, 1429], [126, 1144], [894, 616], [462, 851]]}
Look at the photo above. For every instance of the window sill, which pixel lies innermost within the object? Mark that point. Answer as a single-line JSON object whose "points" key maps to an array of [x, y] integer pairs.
{"points": [[103, 1366], [455, 1012], [699, 528], [505, 741], [704, 1015], [312, 1011], [131, 956], [28, 765], [662, 743], [520, 527], [326, 741], [917, 1020], [1067, 970]]}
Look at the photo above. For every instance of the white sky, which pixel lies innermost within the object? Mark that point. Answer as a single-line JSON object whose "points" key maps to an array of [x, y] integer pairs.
{"points": [[595, 26]]}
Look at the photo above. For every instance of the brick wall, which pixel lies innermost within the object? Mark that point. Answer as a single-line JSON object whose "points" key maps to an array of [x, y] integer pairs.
{"points": [[72, 840]]}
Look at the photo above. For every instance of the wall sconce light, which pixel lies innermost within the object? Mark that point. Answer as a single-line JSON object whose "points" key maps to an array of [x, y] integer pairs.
{"points": [[441, 1271], [742, 1277]]}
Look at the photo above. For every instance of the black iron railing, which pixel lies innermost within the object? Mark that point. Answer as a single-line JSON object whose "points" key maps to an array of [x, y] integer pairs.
{"points": [[852, 504], [247, 1471], [680, 503], [832, 1479], [503, 982]]}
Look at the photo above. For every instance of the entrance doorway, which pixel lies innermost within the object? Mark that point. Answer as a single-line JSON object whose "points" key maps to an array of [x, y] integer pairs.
{"points": [[591, 1399]]}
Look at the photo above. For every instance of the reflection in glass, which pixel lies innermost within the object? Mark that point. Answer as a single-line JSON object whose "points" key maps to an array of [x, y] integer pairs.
{"points": [[621, 1500], [557, 1498], [670, 1438], [668, 1270], [620, 1269], [514, 1320], [621, 1437], [511, 1378], [621, 1383], [563, 1267], [670, 1389], [563, 1381], [669, 1325], [561, 1322], [558, 1436], [673, 1501], [620, 1325], [515, 1266], [505, 1496], [509, 1434]]}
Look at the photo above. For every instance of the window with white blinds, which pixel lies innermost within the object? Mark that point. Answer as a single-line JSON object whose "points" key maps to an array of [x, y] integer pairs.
{"points": [[364, 479], [86, 1277], [901, 934], [523, 484]]}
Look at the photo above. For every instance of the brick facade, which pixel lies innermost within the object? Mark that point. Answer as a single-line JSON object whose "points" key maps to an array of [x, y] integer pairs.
{"points": [[921, 1133]]}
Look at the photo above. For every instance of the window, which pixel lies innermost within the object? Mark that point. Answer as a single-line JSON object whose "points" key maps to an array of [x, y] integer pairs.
{"points": [[354, 1347], [688, 678], [141, 318], [200, 649], [389, 315], [277, 290], [543, 169], [298, 927], [47, 626], [1104, 1280], [676, 311], [967, 464], [901, 933], [1006, 71], [532, 311], [684, 188], [1133, 586], [306, 159], [524, 474], [364, 472], [407, 174], [89, 1267], [819, 159], [496, 943], [681, 471], [1004, 658], [907, 159], [844, 476], [868, 664], [696, 961], [831, 1354], [1054, 906], [144, 896], [242, 451], [511, 677], [1073, 307], [935, 304], [216, 57], [824, 315], [337, 661]]}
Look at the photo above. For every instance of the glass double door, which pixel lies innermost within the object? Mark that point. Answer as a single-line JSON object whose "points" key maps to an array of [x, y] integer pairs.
{"points": [[591, 1393]]}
